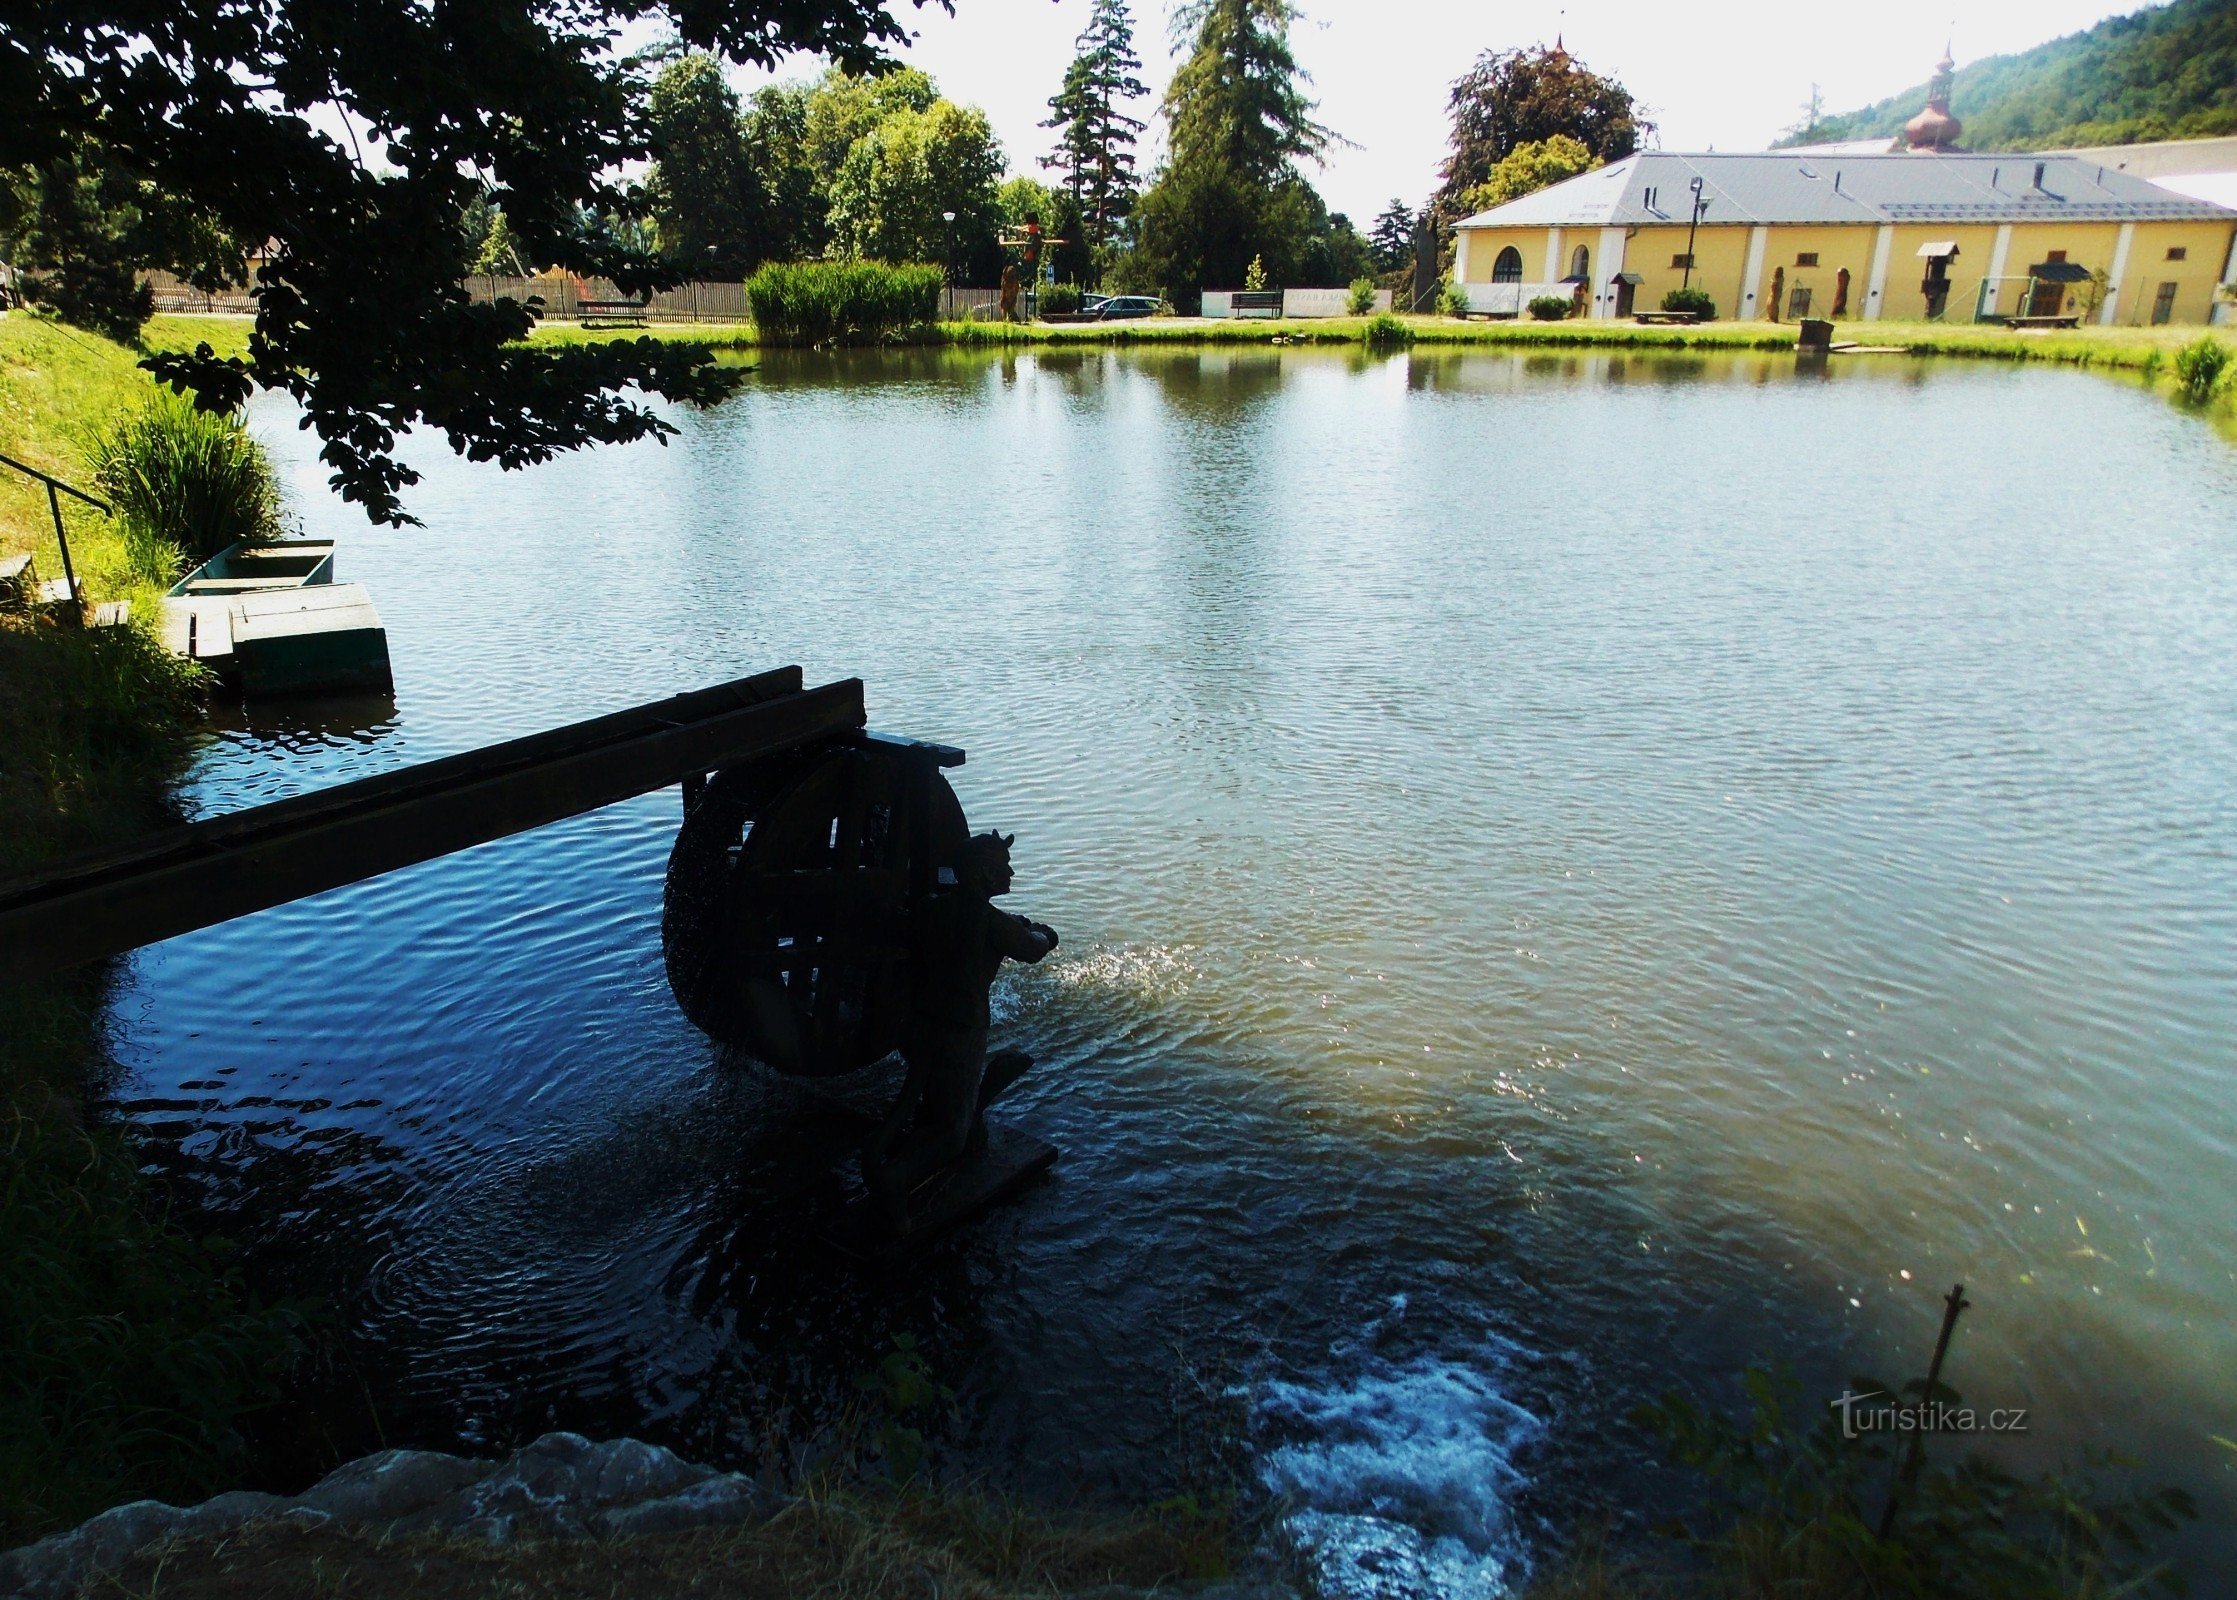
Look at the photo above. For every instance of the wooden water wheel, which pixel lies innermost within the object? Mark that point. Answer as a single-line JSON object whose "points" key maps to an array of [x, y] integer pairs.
{"points": [[787, 916]]}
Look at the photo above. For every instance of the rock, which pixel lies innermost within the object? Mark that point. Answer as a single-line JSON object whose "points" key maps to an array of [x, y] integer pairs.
{"points": [[729, 1499], [61, 1565], [392, 1486], [561, 1484]]}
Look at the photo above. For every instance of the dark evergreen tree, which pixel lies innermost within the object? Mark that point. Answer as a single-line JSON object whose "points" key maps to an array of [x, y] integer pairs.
{"points": [[1239, 99], [1230, 191], [227, 109], [1095, 135], [1512, 97], [1392, 237]]}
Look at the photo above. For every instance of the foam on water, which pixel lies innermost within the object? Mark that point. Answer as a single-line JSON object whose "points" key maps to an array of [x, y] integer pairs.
{"points": [[1400, 1472]]}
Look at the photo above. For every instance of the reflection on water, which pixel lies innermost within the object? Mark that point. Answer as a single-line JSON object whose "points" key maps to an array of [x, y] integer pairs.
{"points": [[1640, 862]]}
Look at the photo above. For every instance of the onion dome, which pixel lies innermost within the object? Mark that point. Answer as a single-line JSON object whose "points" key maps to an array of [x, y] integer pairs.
{"points": [[1936, 128]]}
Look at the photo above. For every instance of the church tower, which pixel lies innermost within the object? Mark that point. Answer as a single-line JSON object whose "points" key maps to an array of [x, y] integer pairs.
{"points": [[1935, 128]]}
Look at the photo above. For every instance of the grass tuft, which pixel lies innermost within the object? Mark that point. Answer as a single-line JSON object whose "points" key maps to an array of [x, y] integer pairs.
{"points": [[184, 483]]}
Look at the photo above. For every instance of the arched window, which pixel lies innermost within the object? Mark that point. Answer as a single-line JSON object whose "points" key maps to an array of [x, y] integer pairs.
{"points": [[1580, 263], [1508, 268]]}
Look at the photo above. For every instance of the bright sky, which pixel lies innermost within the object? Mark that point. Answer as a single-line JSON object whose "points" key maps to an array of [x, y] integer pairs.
{"points": [[1723, 76]]}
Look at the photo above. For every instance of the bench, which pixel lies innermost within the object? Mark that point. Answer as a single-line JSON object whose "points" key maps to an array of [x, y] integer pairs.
{"points": [[1666, 316], [1255, 303], [2073, 321], [610, 313]]}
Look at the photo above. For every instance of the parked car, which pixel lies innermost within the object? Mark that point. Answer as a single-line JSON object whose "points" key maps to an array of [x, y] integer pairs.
{"points": [[1121, 306]]}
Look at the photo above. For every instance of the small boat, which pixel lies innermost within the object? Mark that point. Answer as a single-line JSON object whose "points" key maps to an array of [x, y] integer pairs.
{"points": [[269, 619]]}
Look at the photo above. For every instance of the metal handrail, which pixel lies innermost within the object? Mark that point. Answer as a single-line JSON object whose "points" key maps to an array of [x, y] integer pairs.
{"points": [[56, 488]]}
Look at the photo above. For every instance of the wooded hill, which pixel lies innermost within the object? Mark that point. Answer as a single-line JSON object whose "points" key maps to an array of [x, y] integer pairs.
{"points": [[2169, 72]]}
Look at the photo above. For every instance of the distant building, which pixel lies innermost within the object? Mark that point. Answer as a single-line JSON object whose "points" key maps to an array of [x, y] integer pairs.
{"points": [[1919, 231]]}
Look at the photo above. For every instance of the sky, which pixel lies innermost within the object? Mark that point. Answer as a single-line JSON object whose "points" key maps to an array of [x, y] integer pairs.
{"points": [[1722, 77]]}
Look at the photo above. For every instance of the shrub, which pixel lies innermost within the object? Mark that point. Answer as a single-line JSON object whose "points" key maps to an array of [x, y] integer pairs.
{"points": [[185, 483], [1360, 298], [2199, 366], [1059, 299], [1549, 307], [1385, 329], [1452, 299], [842, 302], [1696, 301], [1254, 275]]}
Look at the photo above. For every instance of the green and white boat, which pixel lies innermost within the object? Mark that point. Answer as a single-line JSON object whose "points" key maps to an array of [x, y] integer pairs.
{"points": [[269, 619]]}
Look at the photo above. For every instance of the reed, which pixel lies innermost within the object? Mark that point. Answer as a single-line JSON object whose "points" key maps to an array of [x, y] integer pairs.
{"points": [[842, 302], [184, 482]]}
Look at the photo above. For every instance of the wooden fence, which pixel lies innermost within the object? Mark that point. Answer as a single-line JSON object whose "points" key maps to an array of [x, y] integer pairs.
{"points": [[562, 294]]}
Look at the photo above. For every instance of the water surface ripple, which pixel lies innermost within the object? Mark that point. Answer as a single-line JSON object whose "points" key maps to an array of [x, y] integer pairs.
{"points": [[1576, 872]]}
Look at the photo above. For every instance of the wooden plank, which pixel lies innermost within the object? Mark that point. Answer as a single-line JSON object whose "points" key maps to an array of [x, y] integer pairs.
{"points": [[179, 879], [1012, 1159]]}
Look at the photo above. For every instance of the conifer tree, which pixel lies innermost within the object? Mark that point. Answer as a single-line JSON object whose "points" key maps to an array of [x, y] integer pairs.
{"points": [[1095, 136], [1238, 102], [1392, 237], [1230, 190]]}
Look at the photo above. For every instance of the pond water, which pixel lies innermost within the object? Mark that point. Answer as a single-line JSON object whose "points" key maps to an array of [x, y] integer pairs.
{"points": [[1576, 873]]}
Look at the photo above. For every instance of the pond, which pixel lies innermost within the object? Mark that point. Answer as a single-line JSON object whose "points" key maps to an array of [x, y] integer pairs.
{"points": [[1576, 873]]}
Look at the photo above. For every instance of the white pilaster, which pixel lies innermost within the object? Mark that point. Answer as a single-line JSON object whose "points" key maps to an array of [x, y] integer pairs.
{"points": [[1460, 255], [1883, 246], [1607, 262], [1553, 256], [1751, 277], [1998, 253], [2118, 275]]}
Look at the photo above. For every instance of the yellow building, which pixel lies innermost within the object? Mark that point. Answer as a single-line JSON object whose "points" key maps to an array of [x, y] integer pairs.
{"points": [[1924, 234]]}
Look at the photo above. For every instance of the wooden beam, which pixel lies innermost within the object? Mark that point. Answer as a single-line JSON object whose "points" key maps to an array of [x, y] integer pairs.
{"points": [[202, 873]]}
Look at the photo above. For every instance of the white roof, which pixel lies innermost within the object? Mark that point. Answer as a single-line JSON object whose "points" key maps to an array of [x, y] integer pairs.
{"points": [[1784, 186]]}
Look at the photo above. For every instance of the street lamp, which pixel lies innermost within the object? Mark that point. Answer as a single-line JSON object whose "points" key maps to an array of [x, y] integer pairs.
{"points": [[948, 262], [1699, 205]]}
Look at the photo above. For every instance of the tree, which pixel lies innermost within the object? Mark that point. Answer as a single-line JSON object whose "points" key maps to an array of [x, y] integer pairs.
{"points": [[1230, 190], [1514, 97], [77, 230], [1527, 168], [490, 246], [794, 216], [1813, 116], [703, 194], [1095, 136], [68, 229], [898, 178], [351, 135], [844, 106], [1343, 255], [1392, 238], [1239, 98]]}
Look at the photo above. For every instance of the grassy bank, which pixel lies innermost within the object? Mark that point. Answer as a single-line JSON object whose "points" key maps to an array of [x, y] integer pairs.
{"points": [[128, 1355], [837, 1546], [2146, 354]]}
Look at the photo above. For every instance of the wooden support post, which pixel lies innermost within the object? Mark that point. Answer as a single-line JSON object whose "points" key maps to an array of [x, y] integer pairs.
{"points": [[208, 872], [1953, 1303]]}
